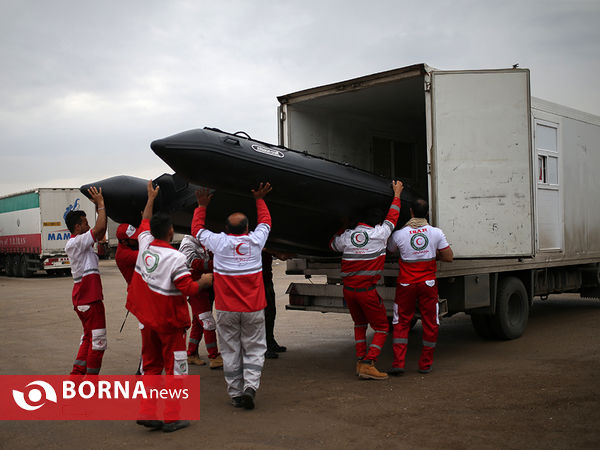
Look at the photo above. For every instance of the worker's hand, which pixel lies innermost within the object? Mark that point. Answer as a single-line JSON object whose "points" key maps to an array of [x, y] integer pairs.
{"points": [[96, 196], [263, 189], [398, 186], [205, 281], [152, 191], [203, 196], [283, 256]]}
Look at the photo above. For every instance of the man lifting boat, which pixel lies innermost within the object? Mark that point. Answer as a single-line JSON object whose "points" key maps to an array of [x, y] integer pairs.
{"points": [[239, 293], [363, 251]]}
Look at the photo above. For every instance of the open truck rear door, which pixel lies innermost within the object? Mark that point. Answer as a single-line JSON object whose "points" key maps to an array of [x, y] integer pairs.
{"points": [[481, 163]]}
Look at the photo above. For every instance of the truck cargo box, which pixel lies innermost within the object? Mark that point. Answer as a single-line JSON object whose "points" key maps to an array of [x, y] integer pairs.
{"points": [[33, 233]]}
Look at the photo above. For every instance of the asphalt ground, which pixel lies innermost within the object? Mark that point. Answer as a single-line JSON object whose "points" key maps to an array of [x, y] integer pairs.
{"points": [[539, 391]]}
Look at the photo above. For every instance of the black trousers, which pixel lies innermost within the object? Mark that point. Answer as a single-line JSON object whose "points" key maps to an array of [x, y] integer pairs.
{"points": [[270, 312]]}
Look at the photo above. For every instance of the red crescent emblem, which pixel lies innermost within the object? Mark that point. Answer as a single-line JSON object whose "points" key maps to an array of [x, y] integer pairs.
{"points": [[237, 249], [146, 259]]}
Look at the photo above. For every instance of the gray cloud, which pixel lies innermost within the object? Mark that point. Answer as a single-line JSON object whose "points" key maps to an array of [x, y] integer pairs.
{"points": [[86, 86]]}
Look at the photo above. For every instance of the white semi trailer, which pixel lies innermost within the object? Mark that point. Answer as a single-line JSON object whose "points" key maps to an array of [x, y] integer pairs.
{"points": [[512, 180], [33, 232]]}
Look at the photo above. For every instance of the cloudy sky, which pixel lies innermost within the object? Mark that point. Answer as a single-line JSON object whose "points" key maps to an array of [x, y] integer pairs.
{"points": [[85, 86]]}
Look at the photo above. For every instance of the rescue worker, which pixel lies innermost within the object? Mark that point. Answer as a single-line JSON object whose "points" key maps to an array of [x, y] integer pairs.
{"points": [[127, 250], [199, 261], [419, 245], [87, 287], [125, 257], [239, 293], [273, 348], [363, 251], [157, 296]]}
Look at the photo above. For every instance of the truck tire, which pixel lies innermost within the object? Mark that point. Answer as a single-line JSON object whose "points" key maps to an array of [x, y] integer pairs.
{"points": [[512, 309], [482, 323], [10, 266], [24, 267]]}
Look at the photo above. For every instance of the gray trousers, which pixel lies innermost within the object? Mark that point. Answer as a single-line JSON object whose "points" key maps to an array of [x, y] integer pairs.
{"points": [[243, 345]]}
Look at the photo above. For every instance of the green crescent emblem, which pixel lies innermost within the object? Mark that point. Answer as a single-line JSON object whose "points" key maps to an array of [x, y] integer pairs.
{"points": [[419, 241], [150, 260], [359, 238]]}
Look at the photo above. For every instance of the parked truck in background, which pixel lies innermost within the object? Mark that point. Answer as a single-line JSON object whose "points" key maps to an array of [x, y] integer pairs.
{"points": [[512, 181], [33, 232]]}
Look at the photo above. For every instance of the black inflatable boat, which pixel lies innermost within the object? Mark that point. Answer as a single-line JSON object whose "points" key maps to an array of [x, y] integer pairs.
{"points": [[311, 196]]}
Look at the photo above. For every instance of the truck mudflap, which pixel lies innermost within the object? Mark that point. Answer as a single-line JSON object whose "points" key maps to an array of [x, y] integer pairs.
{"points": [[330, 298]]}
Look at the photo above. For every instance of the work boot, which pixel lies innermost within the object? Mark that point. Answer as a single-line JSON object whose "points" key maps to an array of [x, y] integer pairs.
{"points": [[275, 347], [174, 426], [216, 362], [248, 398], [368, 371], [154, 424], [396, 371], [358, 365], [237, 402], [195, 360]]}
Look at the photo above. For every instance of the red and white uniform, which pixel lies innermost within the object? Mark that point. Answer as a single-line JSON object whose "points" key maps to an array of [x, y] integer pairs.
{"points": [[237, 264], [87, 302], [416, 284], [363, 256], [157, 297], [203, 323], [125, 257], [239, 298]]}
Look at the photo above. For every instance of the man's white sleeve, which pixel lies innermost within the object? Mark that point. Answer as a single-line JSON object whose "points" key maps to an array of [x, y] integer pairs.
{"points": [[260, 234], [209, 239]]}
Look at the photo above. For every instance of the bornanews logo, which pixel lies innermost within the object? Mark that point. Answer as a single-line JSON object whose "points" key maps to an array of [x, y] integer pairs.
{"points": [[35, 399], [112, 397]]}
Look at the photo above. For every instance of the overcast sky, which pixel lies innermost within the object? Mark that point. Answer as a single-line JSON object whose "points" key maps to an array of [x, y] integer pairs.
{"points": [[85, 86]]}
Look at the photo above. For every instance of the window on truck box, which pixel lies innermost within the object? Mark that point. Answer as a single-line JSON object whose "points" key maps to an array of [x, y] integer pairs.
{"points": [[549, 217], [394, 158]]}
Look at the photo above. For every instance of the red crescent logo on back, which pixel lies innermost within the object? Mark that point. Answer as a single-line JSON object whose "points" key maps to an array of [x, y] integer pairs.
{"points": [[237, 249]]}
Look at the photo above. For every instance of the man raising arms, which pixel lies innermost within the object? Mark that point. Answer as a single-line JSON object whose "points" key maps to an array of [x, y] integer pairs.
{"points": [[239, 293], [87, 288]]}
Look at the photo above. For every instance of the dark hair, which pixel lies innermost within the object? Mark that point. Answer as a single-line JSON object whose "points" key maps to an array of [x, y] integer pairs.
{"points": [[74, 218], [372, 216], [160, 225], [420, 208], [240, 228]]}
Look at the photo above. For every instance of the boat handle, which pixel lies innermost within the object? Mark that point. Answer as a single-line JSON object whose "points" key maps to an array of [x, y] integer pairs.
{"points": [[232, 141]]}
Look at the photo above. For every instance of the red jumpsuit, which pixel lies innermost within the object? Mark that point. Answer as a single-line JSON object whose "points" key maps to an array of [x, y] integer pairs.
{"points": [[416, 284], [87, 301], [157, 297], [203, 323], [364, 249]]}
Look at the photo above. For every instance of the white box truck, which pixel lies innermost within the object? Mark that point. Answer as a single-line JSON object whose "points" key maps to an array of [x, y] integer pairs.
{"points": [[33, 232], [511, 180]]}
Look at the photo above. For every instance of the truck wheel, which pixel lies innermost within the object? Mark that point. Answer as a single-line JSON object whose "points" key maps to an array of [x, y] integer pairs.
{"points": [[482, 323], [10, 266], [512, 309], [23, 267]]}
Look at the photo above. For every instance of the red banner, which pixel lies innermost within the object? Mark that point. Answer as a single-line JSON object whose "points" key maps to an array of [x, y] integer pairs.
{"points": [[110, 397]]}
